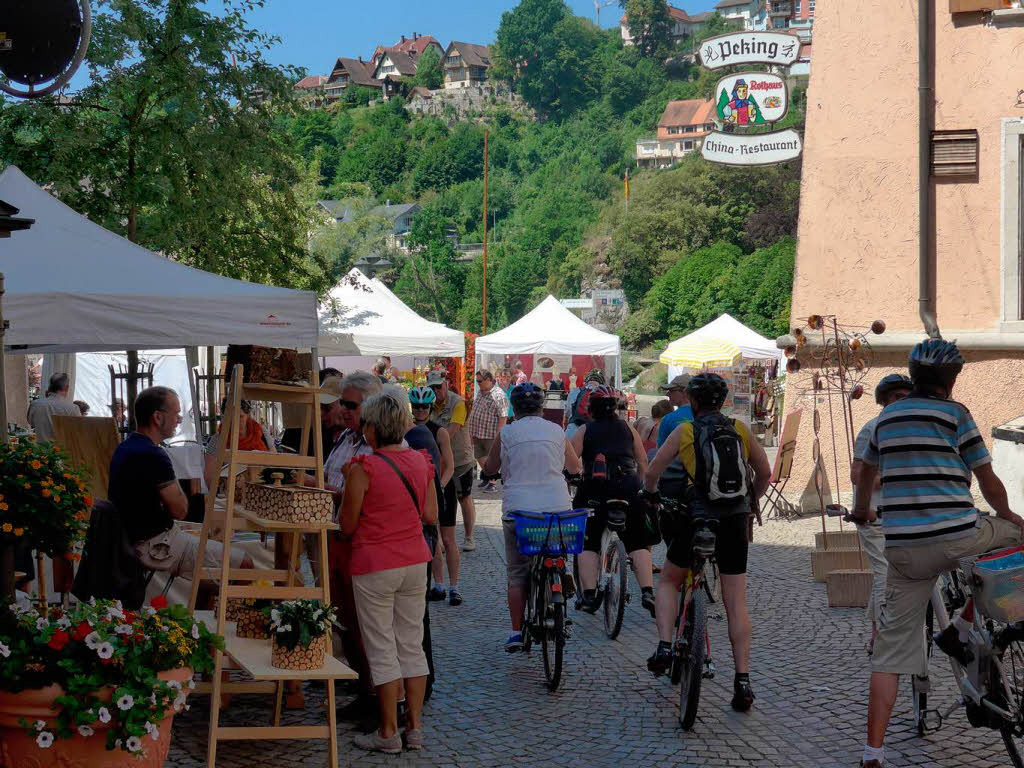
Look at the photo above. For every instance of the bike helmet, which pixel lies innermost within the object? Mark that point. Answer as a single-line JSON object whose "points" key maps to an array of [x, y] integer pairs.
{"points": [[709, 390], [889, 383], [935, 361], [603, 400], [422, 396], [527, 398], [595, 376]]}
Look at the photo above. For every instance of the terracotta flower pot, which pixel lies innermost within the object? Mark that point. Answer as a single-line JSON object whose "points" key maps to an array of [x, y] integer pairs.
{"points": [[18, 748], [299, 657]]}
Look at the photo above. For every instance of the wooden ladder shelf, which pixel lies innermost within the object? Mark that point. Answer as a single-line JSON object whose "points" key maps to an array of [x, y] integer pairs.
{"points": [[253, 656]]}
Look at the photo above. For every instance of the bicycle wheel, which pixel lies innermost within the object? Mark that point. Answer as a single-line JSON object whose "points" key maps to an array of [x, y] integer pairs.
{"points": [[695, 634], [615, 588], [553, 644], [1012, 662], [920, 685], [579, 582]]}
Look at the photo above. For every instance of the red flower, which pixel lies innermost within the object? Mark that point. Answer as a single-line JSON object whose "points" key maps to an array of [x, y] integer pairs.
{"points": [[158, 602], [82, 630], [129, 617], [59, 639]]}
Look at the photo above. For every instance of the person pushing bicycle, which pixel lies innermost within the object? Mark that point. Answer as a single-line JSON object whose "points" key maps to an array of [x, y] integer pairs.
{"points": [[716, 453], [926, 448], [614, 462]]}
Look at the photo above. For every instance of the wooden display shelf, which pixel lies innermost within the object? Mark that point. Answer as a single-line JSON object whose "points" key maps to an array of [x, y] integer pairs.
{"points": [[254, 657], [268, 459], [276, 525]]}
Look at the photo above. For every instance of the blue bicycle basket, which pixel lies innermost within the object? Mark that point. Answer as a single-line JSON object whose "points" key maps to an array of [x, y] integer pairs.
{"points": [[550, 533]]}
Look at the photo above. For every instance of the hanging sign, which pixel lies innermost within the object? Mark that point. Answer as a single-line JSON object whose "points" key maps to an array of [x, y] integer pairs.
{"points": [[752, 149], [778, 48], [751, 98]]}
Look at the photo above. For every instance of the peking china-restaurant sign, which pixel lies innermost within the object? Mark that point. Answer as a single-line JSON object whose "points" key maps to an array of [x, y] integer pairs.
{"points": [[749, 100]]}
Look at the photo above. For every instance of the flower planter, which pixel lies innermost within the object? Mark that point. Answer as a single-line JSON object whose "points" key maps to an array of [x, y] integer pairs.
{"points": [[18, 748], [251, 623], [298, 657]]}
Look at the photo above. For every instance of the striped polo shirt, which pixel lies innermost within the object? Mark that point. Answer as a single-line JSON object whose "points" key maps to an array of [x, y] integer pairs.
{"points": [[925, 450]]}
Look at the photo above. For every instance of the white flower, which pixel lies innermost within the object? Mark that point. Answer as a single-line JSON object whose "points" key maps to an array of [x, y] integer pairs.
{"points": [[179, 702], [63, 622], [152, 730], [44, 739], [104, 650], [86, 730], [103, 715], [123, 629], [195, 631], [40, 725], [126, 702], [191, 684], [4, 650], [134, 744], [152, 699], [92, 640], [174, 685], [149, 610], [317, 614], [114, 612], [42, 623], [284, 628]]}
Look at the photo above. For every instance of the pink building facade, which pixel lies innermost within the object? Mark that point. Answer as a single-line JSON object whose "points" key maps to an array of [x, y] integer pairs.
{"points": [[858, 232]]}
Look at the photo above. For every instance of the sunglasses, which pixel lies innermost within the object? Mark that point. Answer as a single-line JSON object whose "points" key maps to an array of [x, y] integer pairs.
{"points": [[421, 406]]}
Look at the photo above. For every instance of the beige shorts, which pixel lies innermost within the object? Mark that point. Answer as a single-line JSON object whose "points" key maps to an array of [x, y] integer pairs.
{"points": [[390, 605], [482, 447], [517, 564], [174, 552], [913, 571], [872, 541]]}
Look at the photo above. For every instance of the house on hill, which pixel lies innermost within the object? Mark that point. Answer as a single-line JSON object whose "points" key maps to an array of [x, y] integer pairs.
{"points": [[684, 25], [465, 65], [681, 130], [349, 72], [310, 89], [752, 14]]}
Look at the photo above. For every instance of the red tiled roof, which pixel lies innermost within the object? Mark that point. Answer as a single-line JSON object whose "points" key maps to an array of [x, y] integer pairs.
{"points": [[472, 54], [403, 61], [415, 46], [311, 81], [359, 72], [676, 13], [687, 112]]}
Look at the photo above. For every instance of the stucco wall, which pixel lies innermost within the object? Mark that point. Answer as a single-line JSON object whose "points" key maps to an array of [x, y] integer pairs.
{"points": [[857, 256], [16, 379]]}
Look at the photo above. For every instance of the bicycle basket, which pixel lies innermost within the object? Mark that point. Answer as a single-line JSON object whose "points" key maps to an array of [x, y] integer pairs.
{"points": [[550, 533], [997, 582]]}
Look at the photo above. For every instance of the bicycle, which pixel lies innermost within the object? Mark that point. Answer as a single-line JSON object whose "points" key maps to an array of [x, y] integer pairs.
{"points": [[991, 686], [544, 620], [613, 568]]}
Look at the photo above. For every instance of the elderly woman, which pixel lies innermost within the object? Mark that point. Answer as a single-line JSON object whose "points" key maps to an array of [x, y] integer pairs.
{"points": [[251, 437], [388, 497]]}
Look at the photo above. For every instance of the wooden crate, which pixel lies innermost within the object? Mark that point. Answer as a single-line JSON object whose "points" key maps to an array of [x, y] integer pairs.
{"points": [[848, 588], [828, 560], [289, 503], [848, 539]]}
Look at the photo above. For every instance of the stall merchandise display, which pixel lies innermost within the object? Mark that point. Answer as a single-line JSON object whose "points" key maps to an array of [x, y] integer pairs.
{"points": [[299, 629], [289, 503]]}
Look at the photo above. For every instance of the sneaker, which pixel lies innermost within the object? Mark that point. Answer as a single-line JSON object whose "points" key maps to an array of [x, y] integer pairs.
{"points": [[590, 603], [469, 545], [514, 642], [454, 598], [414, 738], [661, 660], [949, 642], [483, 483], [436, 593], [491, 487], [742, 697], [374, 742], [647, 601]]}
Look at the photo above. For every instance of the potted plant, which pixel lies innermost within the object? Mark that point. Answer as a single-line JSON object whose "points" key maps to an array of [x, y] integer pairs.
{"points": [[78, 682], [250, 614], [298, 631], [43, 504]]}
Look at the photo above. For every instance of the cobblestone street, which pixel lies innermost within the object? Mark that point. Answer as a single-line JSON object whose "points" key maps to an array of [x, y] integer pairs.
{"points": [[809, 671]]}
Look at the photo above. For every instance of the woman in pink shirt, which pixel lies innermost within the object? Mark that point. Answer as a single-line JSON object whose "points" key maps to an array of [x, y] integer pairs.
{"points": [[389, 496]]}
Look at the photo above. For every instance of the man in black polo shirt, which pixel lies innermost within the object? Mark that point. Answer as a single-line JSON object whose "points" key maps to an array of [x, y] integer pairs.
{"points": [[147, 495]]}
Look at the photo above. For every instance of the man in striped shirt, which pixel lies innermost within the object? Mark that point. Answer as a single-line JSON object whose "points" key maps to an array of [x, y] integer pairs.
{"points": [[926, 448]]}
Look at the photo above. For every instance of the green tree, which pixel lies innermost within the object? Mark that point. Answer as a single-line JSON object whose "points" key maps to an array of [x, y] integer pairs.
{"points": [[174, 146], [428, 70], [649, 24], [432, 280]]}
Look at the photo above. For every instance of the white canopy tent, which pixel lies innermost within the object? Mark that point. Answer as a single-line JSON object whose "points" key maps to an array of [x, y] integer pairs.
{"points": [[551, 329], [362, 317], [752, 345], [73, 286]]}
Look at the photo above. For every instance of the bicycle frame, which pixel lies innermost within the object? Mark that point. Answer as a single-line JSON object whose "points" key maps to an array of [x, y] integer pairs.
{"points": [[690, 586]]}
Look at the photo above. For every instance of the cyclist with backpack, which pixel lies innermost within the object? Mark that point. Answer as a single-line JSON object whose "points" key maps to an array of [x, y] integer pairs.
{"points": [[716, 453], [577, 406], [614, 462]]}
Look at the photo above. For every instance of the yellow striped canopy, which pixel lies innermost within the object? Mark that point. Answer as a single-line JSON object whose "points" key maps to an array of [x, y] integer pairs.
{"points": [[709, 352]]}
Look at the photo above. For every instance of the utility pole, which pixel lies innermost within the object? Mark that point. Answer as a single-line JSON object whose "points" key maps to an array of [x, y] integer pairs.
{"points": [[3, 383], [485, 236]]}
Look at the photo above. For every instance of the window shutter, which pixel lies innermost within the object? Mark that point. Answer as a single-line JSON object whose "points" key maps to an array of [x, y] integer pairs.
{"points": [[954, 154]]}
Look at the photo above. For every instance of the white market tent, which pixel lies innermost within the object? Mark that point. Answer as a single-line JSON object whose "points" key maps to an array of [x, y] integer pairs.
{"points": [[551, 329], [71, 285], [752, 345], [362, 317]]}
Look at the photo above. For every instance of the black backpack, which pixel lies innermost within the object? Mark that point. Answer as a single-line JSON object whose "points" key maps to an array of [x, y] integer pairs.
{"points": [[719, 460]]}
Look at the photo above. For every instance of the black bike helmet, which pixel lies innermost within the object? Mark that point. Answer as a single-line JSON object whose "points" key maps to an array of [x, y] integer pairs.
{"points": [[527, 398], [708, 389], [935, 361], [603, 401], [889, 383]]}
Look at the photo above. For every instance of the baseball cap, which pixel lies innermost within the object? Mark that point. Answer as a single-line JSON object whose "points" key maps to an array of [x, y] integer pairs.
{"points": [[435, 378], [679, 382], [330, 390]]}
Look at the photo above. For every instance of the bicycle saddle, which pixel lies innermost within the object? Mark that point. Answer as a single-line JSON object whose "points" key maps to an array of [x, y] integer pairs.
{"points": [[616, 509]]}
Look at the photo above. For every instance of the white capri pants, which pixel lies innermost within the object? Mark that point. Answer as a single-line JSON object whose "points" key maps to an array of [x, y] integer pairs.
{"points": [[390, 605]]}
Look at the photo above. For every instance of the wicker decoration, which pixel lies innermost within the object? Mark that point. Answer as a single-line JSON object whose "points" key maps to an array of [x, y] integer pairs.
{"points": [[251, 623], [311, 657], [289, 503]]}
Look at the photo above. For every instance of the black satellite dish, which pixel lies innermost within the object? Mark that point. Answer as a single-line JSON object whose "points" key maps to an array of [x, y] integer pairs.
{"points": [[42, 44]]}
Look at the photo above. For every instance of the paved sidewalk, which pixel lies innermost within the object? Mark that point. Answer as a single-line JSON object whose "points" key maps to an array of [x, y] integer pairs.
{"points": [[491, 709]]}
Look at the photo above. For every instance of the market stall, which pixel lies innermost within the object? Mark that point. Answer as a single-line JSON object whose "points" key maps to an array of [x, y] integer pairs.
{"points": [[549, 342]]}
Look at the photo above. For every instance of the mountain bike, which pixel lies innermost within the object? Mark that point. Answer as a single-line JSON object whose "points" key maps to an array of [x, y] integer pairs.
{"points": [[991, 686], [548, 538], [613, 568]]}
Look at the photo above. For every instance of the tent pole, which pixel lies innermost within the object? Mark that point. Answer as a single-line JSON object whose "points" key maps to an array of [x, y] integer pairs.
{"points": [[133, 386], [484, 329], [192, 362], [3, 377]]}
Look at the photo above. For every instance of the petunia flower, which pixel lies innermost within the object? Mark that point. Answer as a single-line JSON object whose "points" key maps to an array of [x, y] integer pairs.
{"points": [[42, 623], [126, 702], [86, 730], [40, 725], [153, 731], [103, 715], [195, 631], [44, 739], [134, 744], [4, 650], [92, 640], [123, 629], [105, 650]]}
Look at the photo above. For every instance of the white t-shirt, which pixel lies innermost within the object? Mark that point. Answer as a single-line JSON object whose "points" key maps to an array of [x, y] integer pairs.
{"points": [[860, 447], [532, 460]]}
